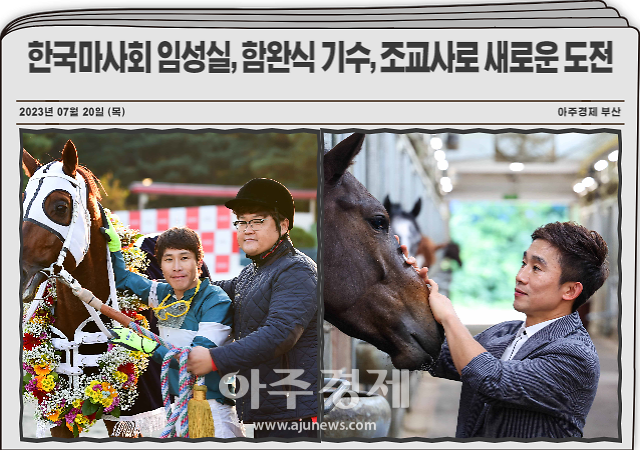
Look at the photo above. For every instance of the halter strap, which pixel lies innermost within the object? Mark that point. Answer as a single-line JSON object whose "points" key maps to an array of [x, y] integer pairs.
{"points": [[37, 176], [79, 201], [75, 237]]}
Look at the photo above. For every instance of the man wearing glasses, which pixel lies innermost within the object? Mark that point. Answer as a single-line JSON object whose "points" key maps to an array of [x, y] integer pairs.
{"points": [[275, 319]]}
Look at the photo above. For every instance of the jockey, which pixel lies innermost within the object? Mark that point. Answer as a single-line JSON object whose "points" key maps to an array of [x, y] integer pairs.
{"points": [[190, 312]]}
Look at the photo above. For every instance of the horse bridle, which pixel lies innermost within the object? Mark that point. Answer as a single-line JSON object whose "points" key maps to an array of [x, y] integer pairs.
{"points": [[79, 203]]}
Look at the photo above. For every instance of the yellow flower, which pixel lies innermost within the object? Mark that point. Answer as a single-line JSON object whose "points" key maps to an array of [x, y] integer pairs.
{"points": [[77, 402], [48, 383], [106, 395], [138, 355], [120, 377], [40, 379], [81, 420], [88, 391]]}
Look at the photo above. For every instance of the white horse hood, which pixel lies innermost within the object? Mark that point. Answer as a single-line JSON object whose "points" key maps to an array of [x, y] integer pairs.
{"points": [[51, 178]]}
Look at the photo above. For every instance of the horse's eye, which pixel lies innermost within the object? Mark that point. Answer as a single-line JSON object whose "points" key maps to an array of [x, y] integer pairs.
{"points": [[61, 209], [379, 223]]}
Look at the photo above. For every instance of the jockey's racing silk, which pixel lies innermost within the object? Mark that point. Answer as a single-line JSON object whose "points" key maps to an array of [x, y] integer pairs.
{"points": [[206, 324]]}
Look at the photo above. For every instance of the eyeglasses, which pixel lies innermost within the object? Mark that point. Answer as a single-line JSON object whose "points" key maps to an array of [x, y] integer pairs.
{"points": [[255, 224]]}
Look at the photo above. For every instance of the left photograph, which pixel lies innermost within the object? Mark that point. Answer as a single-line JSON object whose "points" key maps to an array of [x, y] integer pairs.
{"points": [[169, 284]]}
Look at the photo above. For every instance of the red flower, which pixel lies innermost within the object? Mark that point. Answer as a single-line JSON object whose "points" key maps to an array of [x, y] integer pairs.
{"points": [[29, 341], [129, 313], [127, 368], [40, 395]]}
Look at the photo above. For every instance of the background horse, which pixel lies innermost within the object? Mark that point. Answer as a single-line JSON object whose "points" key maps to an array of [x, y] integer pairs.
{"points": [[405, 225], [369, 291], [41, 247]]}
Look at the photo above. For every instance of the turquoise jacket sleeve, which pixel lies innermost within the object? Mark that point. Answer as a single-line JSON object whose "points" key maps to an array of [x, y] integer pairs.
{"points": [[137, 284], [140, 286]]}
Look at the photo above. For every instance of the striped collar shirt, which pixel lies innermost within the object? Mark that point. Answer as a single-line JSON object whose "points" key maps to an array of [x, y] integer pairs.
{"points": [[522, 335]]}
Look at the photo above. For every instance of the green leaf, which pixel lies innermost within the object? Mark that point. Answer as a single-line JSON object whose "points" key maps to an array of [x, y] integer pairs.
{"points": [[88, 407], [76, 431], [99, 413], [27, 378], [116, 412]]}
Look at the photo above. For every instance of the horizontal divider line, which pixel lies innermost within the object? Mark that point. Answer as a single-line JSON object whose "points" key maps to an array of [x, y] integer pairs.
{"points": [[276, 124], [320, 101]]}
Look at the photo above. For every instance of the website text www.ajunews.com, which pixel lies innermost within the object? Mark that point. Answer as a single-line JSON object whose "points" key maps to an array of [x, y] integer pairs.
{"points": [[311, 426]]}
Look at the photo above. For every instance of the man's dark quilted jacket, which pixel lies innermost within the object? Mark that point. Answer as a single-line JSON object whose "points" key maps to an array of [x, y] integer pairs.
{"points": [[275, 327]]}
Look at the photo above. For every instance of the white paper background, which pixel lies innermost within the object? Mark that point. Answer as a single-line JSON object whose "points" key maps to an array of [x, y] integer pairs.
{"points": [[331, 100]]}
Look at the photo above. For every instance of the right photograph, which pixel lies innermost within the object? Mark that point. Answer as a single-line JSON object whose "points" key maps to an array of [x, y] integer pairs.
{"points": [[471, 285]]}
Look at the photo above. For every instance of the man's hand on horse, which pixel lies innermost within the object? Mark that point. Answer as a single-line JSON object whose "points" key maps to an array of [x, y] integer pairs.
{"points": [[131, 340], [112, 235], [200, 362], [440, 305], [410, 259]]}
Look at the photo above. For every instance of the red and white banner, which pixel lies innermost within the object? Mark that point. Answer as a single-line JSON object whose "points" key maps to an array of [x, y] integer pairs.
{"points": [[212, 223]]}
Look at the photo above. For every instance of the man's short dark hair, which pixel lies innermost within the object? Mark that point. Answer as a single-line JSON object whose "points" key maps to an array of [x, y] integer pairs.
{"points": [[179, 238], [583, 256], [258, 209]]}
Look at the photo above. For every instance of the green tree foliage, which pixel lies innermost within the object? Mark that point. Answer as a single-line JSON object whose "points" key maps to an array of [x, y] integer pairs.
{"points": [[302, 238], [492, 238], [117, 197], [187, 157]]}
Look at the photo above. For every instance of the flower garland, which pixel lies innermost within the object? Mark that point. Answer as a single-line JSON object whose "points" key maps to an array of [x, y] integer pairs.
{"points": [[112, 389]]}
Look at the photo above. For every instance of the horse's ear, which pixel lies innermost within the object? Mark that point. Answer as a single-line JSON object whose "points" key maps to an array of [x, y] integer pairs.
{"points": [[416, 208], [69, 159], [337, 160], [387, 204], [29, 163]]}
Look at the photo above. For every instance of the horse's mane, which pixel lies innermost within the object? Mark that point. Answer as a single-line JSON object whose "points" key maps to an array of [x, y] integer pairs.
{"points": [[93, 190]]}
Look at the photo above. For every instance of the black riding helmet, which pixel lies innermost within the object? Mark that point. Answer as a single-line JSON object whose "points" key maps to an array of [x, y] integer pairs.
{"points": [[265, 192]]}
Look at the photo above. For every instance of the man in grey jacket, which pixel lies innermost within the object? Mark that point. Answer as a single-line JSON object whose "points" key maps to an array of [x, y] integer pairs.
{"points": [[275, 319], [537, 378]]}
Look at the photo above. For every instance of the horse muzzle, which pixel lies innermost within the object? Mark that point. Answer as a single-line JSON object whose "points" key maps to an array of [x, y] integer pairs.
{"points": [[31, 280], [421, 348]]}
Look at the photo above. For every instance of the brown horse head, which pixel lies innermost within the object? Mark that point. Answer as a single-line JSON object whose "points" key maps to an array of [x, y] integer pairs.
{"points": [[42, 239], [369, 291], [41, 247], [41, 244]]}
